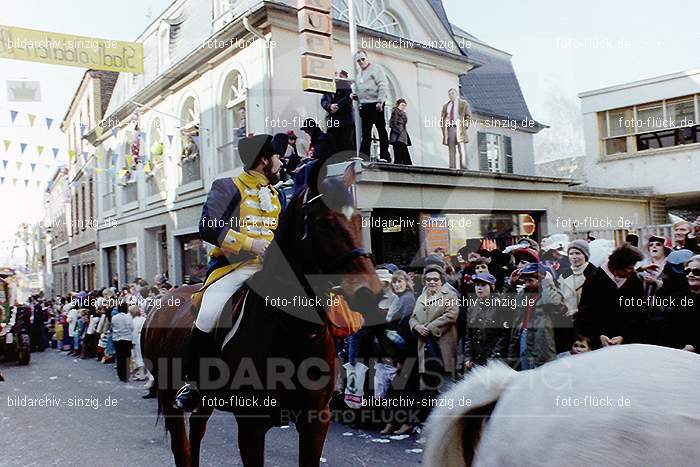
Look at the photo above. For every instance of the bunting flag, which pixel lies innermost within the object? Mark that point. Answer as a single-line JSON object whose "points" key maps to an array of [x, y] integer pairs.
{"points": [[82, 129], [26, 182], [2, 180], [71, 154], [39, 149], [19, 165], [170, 138], [33, 166], [31, 118], [7, 144], [49, 121], [23, 146], [99, 131], [38, 184], [4, 164], [55, 152], [85, 156], [13, 115], [114, 132]]}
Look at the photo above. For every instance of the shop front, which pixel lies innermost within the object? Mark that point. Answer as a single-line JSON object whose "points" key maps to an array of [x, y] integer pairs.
{"points": [[401, 237]]}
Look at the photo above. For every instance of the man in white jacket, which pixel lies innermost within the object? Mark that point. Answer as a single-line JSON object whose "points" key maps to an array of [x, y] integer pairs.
{"points": [[137, 319]]}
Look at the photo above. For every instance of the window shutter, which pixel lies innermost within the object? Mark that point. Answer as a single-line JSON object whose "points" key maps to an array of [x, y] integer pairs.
{"points": [[508, 154], [483, 158]]}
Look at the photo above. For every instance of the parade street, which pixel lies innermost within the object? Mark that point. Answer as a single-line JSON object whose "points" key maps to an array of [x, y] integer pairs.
{"points": [[75, 412]]}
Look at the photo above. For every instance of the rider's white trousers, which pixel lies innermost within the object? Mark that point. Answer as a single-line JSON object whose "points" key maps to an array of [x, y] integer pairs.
{"points": [[216, 295]]}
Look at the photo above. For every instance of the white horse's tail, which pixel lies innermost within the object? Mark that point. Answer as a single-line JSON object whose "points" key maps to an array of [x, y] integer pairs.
{"points": [[453, 433]]}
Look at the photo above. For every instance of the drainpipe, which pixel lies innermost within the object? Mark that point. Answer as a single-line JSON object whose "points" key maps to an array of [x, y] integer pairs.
{"points": [[267, 68]]}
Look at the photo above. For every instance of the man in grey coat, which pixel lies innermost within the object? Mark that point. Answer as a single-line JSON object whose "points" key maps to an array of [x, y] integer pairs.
{"points": [[371, 88]]}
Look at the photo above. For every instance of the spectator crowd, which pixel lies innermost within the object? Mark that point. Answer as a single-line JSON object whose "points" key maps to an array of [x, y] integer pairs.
{"points": [[526, 305], [103, 324]]}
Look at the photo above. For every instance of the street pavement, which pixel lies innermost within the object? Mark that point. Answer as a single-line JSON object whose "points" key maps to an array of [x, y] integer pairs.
{"points": [[89, 418]]}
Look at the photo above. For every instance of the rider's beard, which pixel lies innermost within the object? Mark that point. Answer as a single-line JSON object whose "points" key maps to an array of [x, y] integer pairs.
{"points": [[272, 177]]}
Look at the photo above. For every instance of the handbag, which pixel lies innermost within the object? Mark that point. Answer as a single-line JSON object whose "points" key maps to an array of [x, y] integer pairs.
{"points": [[433, 355], [343, 321]]}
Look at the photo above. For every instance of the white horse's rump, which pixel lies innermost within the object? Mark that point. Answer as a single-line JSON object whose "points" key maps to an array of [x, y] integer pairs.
{"points": [[630, 405]]}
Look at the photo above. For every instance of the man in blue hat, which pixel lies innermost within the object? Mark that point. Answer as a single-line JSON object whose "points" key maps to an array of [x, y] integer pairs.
{"points": [[239, 218], [538, 307]]}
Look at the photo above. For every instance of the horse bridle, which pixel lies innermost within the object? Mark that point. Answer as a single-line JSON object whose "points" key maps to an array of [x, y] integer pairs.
{"points": [[350, 256]]}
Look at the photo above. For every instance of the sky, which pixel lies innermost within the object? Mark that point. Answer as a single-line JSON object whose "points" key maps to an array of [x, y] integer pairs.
{"points": [[123, 20], [559, 48], [563, 48]]}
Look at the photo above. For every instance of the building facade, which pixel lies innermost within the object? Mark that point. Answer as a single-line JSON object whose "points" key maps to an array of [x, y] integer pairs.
{"points": [[214, 68], [84, 112], [56, 222], [218, 69], [646, 134]]}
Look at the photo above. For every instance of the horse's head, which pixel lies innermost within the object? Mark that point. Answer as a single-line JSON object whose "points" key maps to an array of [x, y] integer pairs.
{"points": [[319, 236]]}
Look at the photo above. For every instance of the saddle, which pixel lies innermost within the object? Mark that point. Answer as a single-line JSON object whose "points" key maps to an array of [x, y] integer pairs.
{"points": [[231, 317]]}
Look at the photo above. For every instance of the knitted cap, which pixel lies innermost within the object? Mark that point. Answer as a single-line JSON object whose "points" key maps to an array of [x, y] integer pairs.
{"points": [[580, 245]]}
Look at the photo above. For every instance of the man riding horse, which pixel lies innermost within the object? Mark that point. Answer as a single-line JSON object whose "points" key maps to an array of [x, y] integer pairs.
{"points": [[239, 218]]}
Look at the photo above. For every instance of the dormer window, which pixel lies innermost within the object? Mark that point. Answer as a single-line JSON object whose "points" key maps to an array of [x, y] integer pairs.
{"points": [[371, 14]]}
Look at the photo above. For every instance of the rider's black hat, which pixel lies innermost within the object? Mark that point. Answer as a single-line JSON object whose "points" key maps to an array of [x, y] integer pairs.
{"points": [[251, 148]]}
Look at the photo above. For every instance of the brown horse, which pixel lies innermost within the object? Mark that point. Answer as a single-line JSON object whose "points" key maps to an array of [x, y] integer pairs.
{"points": [[280, 366]]}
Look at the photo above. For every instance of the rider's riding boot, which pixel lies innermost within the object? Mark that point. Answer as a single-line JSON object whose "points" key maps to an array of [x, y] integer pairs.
{"points": [[201, 345]]}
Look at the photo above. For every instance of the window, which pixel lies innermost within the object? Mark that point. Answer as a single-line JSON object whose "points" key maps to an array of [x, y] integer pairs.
{"points": [[189, 141], [112, 273], [163, 47], [76, 212], [155, 167], [108, 180], [495, 153], [651, 126], [91, 214], [128, 176], [194, 259], [234, 121], [223, 6], [650, 118], [681, 113], [84, 219], [371, 14], [130, 262]]}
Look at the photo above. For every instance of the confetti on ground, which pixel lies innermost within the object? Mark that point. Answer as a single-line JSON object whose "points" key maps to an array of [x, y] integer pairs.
{"points": [[414, 450], [398, 437], [53, 377], [381, 440], [347, 433], [323, 460]]}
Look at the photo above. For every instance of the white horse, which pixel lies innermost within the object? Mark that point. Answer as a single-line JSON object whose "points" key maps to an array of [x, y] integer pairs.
{"points": [[628, 405]]}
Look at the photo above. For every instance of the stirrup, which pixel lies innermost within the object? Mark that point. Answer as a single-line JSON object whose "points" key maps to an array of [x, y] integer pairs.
{"points": [[187, 398]]}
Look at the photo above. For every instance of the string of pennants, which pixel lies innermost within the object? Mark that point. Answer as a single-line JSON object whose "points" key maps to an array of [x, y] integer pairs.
{"points": [[32, 118], [122, 161]]}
